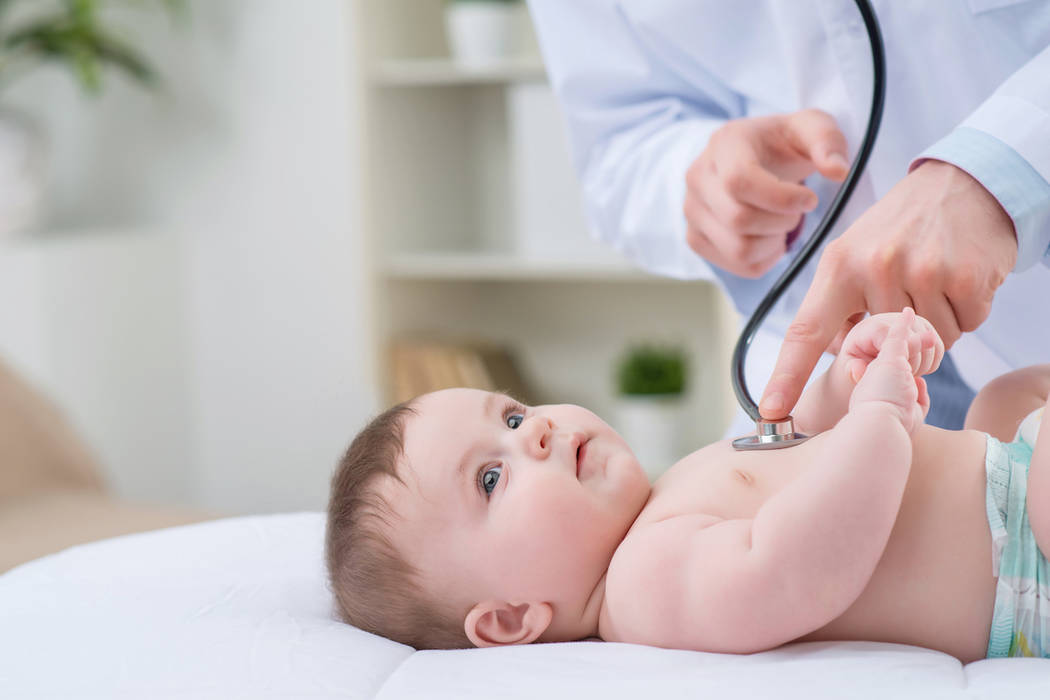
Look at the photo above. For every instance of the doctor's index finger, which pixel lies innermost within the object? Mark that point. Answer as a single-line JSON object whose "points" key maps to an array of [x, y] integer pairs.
{"points": [[822, 313], [815, 134]]}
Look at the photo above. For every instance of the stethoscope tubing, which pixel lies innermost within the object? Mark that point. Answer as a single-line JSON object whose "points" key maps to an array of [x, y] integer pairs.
{"points": [[878, 58]]}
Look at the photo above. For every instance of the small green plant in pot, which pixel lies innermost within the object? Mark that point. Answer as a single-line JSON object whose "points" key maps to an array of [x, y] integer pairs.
{"points": [[75, 34], [482, 33], [651, 383], [651, 371]]}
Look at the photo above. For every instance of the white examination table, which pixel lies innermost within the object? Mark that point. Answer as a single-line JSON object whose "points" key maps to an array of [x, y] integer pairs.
{"points": [[239, 608]]}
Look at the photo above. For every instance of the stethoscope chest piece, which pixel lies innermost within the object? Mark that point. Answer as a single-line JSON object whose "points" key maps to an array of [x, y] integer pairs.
{"points": [[771, 435]]}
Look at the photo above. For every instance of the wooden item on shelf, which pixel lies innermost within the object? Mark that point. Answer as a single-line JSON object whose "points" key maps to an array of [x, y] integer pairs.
{"points": [[421, 366]]}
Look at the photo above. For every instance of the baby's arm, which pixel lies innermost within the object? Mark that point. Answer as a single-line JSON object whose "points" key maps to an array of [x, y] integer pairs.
{"points": [[747, 585], [827, 398]]}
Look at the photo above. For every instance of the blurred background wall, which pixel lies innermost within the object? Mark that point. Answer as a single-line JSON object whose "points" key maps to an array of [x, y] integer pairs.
{"points": [[195, 301], [321, 199]]}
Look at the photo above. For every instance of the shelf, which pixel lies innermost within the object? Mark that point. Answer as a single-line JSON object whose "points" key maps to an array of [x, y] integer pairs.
{"points": [[477, 229], [444, 71], [509, 267]]}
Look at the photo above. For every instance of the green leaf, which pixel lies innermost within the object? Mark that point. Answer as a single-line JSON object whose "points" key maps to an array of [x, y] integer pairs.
{"points": [[86, 67], [82, 11], [87, 49], [73, 35]]}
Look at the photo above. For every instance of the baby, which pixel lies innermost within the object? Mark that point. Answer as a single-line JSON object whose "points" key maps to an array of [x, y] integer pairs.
{"points": [[464, 518]]}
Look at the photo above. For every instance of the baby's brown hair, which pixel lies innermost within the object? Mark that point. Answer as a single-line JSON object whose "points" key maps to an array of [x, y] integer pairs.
{"points": [[376, 589]]}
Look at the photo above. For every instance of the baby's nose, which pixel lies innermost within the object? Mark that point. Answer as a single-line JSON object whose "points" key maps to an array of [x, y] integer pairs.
{"points": [[537, 432]]}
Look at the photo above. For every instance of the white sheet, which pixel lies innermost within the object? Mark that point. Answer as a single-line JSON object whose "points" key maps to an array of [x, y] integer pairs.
{"points": [[239, 609]]}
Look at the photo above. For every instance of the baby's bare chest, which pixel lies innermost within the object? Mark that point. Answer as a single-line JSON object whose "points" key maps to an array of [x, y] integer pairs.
{"points": [[725, 483]]}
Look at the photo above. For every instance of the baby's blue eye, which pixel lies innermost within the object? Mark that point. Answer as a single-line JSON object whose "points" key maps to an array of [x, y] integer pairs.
{"points": [[514, 420], [490, 477]]}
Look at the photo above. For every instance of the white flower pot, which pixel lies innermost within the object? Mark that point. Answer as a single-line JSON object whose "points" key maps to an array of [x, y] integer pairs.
{"points": [[480, 33], [652, 426], [22, 173]]}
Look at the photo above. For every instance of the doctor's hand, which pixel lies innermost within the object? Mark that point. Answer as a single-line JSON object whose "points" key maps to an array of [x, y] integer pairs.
{"points": [[937, 242], [743, 194]]}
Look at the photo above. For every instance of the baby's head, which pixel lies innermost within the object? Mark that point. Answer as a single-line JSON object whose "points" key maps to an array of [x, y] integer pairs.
{"points": [[464, 518]]}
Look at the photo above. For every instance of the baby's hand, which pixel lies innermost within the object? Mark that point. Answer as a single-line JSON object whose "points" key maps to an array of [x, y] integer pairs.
{"points": [[861, 346], [892, 378]]}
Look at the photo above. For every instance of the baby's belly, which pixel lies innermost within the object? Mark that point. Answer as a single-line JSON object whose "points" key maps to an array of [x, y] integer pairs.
{"points": [[934, 586]]}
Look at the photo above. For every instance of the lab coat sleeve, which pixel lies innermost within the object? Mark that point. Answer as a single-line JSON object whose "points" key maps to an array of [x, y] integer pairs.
{"points": [[635, 125], [1005, 145]]}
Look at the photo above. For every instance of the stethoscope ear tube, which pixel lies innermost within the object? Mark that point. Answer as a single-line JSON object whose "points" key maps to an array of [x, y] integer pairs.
{"points": [[776, 291]]}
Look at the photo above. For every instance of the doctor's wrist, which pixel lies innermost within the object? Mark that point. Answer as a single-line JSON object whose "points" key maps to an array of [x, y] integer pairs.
{"points": [[1000, 228], [1005, 175]]}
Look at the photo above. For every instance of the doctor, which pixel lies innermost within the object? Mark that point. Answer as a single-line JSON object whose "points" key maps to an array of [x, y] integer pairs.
{"points": [[709, 135]]}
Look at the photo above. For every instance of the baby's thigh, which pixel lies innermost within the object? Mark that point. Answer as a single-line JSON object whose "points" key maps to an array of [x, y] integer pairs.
{"points": [[1004, 402]]}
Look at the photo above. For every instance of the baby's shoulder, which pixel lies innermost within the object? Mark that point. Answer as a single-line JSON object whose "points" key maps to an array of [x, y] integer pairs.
{"points": [[653, 546], [654, 538], [642, 577]]}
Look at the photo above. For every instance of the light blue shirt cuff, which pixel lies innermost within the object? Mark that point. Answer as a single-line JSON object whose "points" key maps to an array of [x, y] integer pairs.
{"points": [[1021, 191]]}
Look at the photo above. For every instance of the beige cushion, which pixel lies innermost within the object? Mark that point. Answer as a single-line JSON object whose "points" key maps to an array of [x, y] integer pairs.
{"points": [[46, 522], [38, 448], [52, 494]]}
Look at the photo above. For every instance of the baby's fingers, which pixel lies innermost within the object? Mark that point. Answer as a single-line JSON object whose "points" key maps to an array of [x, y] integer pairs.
{"points": [[922, 349], [899, 335], [931, 336], [930, 358], [923, 398], [916, 355], [856, 368]]}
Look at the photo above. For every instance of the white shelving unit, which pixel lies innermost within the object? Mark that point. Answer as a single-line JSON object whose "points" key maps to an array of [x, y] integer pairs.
{"points": [[476, 231], [421, 72], [496, 266]]}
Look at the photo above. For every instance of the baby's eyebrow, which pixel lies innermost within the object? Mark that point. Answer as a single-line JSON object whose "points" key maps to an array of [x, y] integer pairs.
{"points": [[488, 406], [461, 469], [488, 403], [466, 490]]}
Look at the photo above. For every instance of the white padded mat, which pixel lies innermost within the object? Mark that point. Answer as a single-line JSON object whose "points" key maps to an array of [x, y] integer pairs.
{"points": [[239, 608]]}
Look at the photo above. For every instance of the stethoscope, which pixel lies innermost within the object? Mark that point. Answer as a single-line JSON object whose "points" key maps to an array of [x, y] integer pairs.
{"points": [[775, 434]]}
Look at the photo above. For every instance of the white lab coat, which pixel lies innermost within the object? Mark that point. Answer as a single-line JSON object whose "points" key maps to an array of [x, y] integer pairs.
{"points": [[643, 83]]}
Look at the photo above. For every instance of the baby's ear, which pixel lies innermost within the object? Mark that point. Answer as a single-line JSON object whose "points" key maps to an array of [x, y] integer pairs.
{"points": [[497, 623]]}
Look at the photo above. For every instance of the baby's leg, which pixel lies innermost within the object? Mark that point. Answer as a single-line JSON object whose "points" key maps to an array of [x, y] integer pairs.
{"points": [[1039, 488], [1038, 498], [998, 410], [1004, 402]]}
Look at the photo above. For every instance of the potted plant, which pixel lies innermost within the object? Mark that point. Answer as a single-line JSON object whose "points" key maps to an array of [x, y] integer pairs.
{"points": [[33, 33], [651, 384], [481, 32]]}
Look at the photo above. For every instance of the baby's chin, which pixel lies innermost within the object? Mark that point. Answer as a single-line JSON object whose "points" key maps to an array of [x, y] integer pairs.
{"points": [[631, 492]]}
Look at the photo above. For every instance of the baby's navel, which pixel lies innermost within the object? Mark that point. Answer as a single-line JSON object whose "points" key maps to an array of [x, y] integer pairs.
{"points": [[744, 476]]}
